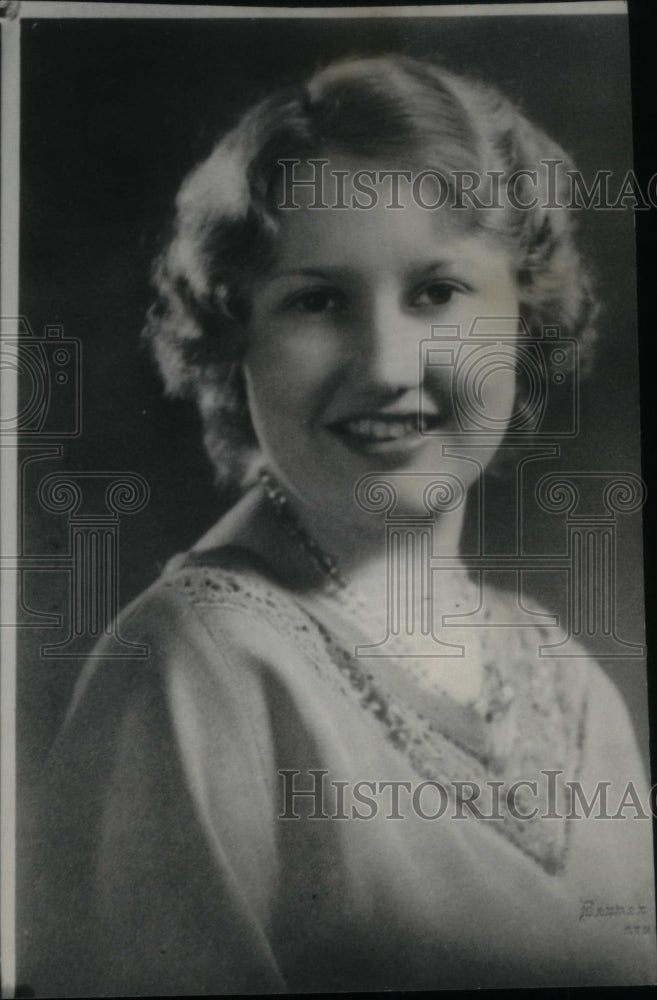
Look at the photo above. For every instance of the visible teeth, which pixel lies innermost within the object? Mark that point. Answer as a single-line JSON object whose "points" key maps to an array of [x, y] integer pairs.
{"points": [[382, 430]]}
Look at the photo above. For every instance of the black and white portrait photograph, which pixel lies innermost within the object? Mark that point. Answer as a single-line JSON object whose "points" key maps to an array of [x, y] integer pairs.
{"points": [[324, 654]]}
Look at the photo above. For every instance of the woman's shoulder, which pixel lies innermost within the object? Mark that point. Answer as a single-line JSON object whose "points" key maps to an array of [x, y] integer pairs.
{"points": [[210, 618], [226, 578], [200, 645]]}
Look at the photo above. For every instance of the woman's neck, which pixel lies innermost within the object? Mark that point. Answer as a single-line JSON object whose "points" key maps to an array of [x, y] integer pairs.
{"points": [[354, 569], [358, 554], [308, 552], [362, 549]]}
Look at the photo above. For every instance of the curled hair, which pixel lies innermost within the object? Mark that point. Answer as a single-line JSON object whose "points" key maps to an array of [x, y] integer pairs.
{"points": [[405, 113]]}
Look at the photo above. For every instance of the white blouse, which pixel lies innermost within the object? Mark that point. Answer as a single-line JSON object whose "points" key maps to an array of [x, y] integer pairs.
{"points": [[173, 854]]}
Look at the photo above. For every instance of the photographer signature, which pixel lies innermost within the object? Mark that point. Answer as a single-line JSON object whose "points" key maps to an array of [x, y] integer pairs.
{"points": [[639, 914]]}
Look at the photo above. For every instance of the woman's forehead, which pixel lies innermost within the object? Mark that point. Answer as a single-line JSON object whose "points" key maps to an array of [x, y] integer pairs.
{"points": [[373, 189], [338, 180], [380, 239]]}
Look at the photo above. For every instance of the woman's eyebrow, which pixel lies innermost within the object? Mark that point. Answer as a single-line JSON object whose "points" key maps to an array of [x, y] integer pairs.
{"points": [[337, 271], [414, 270], [311, 272], [422, 267]]}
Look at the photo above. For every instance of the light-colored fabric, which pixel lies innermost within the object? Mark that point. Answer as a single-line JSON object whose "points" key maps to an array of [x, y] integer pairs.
{"points": [[162, 863]]}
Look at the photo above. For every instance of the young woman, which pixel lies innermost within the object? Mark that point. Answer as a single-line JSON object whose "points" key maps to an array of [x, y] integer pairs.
{"points": [[264, 805]]}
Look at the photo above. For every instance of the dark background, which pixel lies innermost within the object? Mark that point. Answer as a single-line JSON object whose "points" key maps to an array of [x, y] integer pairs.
{"points": [[114, 113]]}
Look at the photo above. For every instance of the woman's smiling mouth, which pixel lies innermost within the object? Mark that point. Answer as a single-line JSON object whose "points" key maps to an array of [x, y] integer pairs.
{"points": [[379, 433]]}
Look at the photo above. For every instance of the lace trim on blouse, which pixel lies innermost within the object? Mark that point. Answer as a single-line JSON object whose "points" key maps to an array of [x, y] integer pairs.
{"points": [[504, 737]]}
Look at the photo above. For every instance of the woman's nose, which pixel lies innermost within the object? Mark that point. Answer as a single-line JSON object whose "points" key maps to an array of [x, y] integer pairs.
{"points": [[392, 343]]}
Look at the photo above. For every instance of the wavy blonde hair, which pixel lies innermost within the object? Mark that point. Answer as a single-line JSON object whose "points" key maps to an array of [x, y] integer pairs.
{"points": [[394, 109]]}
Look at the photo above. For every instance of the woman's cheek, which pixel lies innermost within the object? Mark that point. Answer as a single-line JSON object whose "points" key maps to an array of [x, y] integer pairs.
{"points": [[311, 354]]}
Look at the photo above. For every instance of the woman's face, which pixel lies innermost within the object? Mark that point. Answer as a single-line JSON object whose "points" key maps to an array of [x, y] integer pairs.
{"points": [[339, 384]]}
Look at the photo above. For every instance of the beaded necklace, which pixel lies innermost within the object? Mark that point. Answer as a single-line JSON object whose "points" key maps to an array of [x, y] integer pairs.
{"points": [[293, 526], [336, 585], [361, 611], [405, 705]]}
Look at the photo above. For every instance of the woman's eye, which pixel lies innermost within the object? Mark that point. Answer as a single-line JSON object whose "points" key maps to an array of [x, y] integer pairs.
{"points": [[438, 293], [319, 300]]}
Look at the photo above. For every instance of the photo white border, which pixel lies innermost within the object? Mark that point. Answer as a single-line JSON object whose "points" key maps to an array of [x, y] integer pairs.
{"points": [[9, 307]]}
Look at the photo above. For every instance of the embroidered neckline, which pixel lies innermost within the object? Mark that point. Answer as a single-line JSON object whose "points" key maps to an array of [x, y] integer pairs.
{"points": [[541, 725]]}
